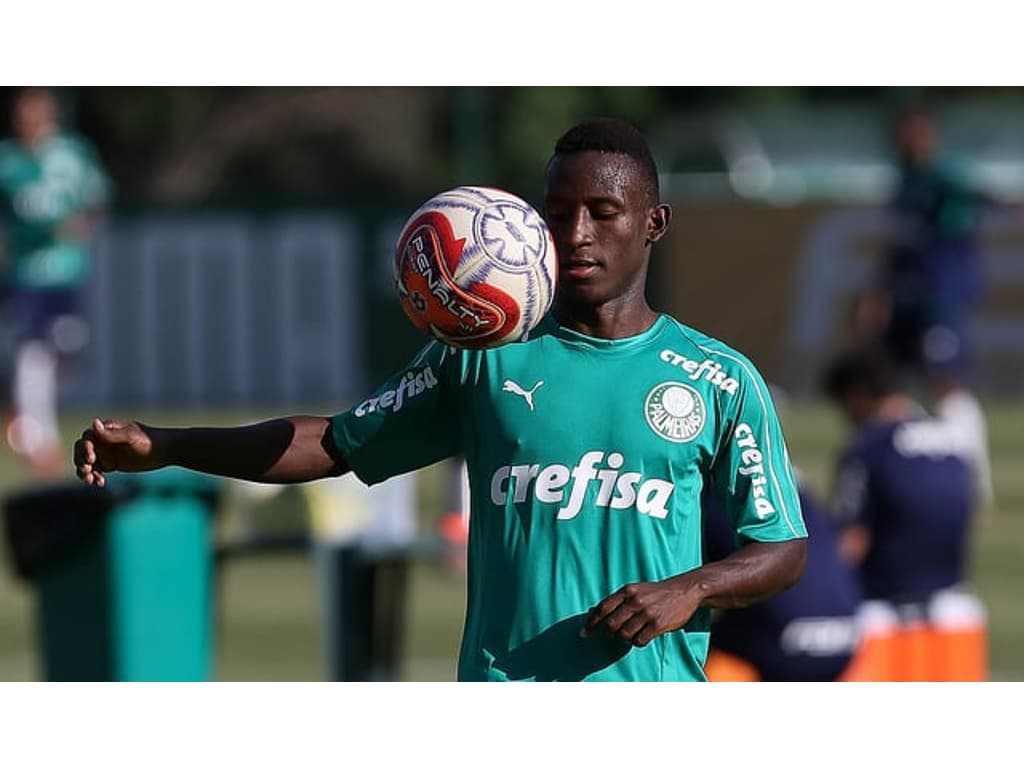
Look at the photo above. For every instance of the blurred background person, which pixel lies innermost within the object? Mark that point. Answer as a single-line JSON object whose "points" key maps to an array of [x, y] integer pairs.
{"points": [[903, 503], [930, 281], [805, 634], [930, 275], [52, 189]]}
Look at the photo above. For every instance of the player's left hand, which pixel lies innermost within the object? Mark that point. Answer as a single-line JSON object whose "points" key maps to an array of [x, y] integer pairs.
{"points": [[640, 612]]}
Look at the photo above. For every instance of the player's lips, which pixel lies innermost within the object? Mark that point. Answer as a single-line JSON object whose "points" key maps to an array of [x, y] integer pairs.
{"points": [[578, 268]]}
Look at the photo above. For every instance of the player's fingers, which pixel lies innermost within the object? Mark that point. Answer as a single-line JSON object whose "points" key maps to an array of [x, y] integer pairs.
{"points": [[89, 460], [631, 626], [113, 432], [612, 621], [647, 632], [600, 611], [84, 450], [107, 431], [616, 621], [90, 476]]}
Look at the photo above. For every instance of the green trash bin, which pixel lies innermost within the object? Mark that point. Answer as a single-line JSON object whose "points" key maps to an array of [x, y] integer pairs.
{"points": [[124, 576]]}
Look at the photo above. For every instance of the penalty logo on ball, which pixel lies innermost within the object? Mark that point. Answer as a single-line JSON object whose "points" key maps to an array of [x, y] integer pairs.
{"points": [[675, 411], [427, 258]]}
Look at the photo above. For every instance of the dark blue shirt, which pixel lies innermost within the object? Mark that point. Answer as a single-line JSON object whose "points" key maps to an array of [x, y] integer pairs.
{"points": [[805, 633], [934, 258], [908, 484]]}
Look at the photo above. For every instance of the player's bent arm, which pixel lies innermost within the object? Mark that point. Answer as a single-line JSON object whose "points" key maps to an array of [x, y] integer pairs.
{"points": [[639, 612], [292, 449], [751, 574]]}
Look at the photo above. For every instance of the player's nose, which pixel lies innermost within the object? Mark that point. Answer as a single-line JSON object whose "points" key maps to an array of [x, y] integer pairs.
{"points": [[578, 229]]}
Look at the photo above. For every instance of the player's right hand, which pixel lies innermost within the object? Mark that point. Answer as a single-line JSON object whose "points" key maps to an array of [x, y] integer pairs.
{"points": [[113, 446]]}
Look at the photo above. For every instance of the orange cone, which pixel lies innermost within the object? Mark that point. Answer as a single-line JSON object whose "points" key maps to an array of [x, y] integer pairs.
{"points": [[875, 658], [914, 646], [960, 628], [722, 667]]}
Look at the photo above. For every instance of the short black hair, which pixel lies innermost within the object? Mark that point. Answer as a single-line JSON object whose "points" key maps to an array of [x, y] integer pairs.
{"points": [[614, 135], [869, 369]]}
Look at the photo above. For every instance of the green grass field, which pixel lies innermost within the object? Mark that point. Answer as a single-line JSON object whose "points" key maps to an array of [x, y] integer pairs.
{"points": [[267, 622]]}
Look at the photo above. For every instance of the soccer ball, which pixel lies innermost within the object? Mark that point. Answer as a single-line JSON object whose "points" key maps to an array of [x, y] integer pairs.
{"points": [[475, 267]]}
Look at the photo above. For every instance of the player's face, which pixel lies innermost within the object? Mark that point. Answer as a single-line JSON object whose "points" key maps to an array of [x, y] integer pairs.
{"points": [[35, 116], [916, 138], [603, 222]]}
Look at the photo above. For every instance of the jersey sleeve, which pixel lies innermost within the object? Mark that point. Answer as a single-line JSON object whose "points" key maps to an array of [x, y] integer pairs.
{"points": [[752, 470], [409, 422]]}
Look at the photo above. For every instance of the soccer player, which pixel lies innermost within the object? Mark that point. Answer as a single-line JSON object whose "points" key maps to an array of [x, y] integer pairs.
{"points": [[52, 189], [904, 500], [932, 266], [584, 553], [903, 487]]}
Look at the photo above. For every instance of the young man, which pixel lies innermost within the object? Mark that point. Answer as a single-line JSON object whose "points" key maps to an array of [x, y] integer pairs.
{"points": [[904, 502], [52, 189], [903, 488], [585, 542]]}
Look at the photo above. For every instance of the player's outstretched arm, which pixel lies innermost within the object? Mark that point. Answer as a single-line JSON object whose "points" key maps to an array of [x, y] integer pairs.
{"points": [[293, 449], [640, 612]]}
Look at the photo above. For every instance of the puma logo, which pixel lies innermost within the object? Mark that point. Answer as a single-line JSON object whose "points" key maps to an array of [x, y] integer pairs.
{"points": [[515, 389]]}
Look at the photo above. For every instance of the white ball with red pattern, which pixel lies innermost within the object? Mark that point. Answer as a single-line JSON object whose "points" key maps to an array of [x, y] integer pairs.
{"points": [[475, 267]]}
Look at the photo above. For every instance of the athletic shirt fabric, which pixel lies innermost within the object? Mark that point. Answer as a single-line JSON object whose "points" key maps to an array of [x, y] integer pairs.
{"points": [[908, 484], [39, 189], [586, 460], [935, 257]]}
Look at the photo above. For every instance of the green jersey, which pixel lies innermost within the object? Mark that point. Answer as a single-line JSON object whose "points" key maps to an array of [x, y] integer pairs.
{"points": [[40, 188], [586, 460]]}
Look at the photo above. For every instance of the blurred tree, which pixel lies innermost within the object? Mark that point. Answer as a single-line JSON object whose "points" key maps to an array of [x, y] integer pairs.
{"points": [[269, 145]]}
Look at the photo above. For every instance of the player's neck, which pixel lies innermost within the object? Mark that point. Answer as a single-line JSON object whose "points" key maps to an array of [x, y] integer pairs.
{"points": [[36, 138], [896, 407], [606, 321]]}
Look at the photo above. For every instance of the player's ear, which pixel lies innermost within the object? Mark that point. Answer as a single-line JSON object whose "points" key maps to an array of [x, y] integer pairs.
{"points": [[657, 222]]}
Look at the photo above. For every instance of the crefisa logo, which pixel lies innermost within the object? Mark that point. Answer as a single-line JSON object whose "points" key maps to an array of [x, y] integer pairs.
{"points": [[675, 411]]}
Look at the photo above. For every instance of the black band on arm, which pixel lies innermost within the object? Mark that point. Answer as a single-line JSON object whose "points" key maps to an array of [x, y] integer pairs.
{"points": [[331, 449]]}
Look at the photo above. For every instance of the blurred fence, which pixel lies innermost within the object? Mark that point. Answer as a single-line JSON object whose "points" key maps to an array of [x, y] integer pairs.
{"points": [[230, 308]]}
